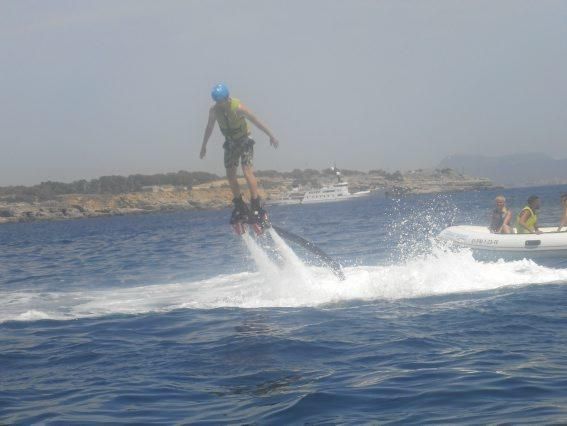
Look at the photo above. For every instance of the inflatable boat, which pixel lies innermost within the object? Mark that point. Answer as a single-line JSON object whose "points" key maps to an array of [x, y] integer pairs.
{"points": [[478, 238]]}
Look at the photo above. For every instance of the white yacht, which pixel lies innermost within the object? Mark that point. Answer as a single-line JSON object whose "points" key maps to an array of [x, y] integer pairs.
{"points": [[295, 196], [335, 192]]}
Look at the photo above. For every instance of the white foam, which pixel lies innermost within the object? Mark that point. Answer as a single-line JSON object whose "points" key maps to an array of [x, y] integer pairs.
{"points": [[293, 266], [33, 315], [295, 285], [263, 262]]}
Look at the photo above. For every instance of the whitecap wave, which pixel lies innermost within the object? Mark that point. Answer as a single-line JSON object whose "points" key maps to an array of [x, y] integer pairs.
{"points": [[440, 272]]}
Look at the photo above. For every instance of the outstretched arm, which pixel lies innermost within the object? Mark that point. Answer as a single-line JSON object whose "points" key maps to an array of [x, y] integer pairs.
{"points": [[256, 121], [208, 131]]}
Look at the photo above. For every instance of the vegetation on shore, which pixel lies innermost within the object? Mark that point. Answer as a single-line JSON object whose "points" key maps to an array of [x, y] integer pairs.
{"points": [[50, 190], [104, 185], [117, 195]]}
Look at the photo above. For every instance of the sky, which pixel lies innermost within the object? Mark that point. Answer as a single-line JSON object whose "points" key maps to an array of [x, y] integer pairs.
{"points": [[101, 87]]}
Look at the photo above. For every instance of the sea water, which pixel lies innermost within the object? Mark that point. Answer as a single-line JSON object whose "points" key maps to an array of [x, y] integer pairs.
{"points": [[171, 318]]}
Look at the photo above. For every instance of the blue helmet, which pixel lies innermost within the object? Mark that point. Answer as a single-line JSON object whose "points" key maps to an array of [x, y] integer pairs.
{"points": [[220, 92]]}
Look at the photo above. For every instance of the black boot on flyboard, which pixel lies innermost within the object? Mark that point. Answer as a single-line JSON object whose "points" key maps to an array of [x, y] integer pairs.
{"points": [[259, 216], [240, 215], [256, 216]]}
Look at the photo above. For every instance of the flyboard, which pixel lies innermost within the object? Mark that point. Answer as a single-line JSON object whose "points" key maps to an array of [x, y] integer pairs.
{"points": [[259, 223]]}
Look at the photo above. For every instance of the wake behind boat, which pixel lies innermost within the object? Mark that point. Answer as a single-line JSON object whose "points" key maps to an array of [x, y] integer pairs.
{"points": [[479, 238]]}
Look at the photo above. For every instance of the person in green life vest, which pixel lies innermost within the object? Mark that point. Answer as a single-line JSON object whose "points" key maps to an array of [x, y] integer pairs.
{"points": [[526, 222], [231, 115]]}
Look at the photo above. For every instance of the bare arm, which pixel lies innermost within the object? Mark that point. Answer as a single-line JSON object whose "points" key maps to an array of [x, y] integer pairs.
{"points": [[507, 218], [208, 131], [505, 222], [256, 121], [525, 215], [563, 221]]}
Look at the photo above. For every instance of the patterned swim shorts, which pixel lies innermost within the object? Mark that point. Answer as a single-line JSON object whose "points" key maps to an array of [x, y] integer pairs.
{"points": [[241, 151]]}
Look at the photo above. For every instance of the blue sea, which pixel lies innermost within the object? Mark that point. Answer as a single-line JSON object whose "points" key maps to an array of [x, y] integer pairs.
{"points": [[173, 319]]}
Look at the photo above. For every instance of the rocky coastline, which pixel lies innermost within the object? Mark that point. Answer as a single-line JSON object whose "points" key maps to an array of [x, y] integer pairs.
{"points": [[216, 195]]}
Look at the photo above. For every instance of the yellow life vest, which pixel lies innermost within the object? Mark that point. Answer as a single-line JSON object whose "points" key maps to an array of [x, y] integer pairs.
{"points": [[232, 125], [530, 223]]}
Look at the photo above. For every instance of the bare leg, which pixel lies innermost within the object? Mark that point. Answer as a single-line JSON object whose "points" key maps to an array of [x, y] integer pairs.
{"points": [[507, 229], [251, 180], [233, 182]]}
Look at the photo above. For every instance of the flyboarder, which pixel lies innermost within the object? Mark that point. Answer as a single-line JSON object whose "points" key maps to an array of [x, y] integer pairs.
{"points": [[231, 115]]}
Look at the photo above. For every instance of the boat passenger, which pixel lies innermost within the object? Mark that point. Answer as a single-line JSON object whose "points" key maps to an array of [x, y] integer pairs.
{"points": [[526, 222], [501, 216], [564, 217]]}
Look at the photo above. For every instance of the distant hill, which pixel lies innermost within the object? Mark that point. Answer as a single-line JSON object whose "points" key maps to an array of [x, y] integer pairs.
{"points": [[511, 170]]}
